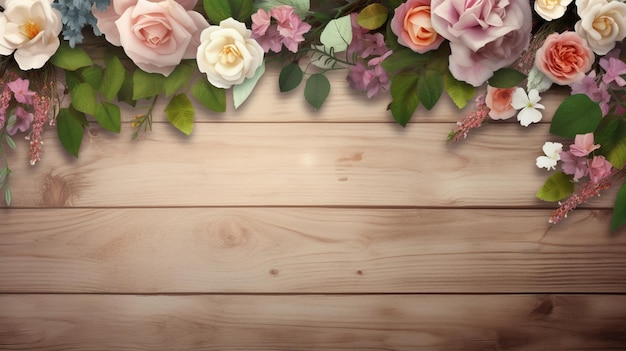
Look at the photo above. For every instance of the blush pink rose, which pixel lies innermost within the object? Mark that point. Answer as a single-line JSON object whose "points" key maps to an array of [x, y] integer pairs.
{"points": [[499, 102], [564, 58], [412, 25], [155, 34]]}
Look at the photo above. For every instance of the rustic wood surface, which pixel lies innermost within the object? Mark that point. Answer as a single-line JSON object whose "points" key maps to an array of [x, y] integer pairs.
{"points": [[275, 227]]}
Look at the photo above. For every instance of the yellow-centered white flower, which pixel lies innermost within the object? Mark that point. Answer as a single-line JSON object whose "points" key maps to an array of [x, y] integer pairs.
{"points": [[29, 29], [551, 9], [552, 155], [529, 105]]}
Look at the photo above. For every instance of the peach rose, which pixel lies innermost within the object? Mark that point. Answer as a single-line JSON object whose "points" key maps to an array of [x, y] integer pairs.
{"points": [[499, 102], [155, 34], [564, 58], [411, 23]]}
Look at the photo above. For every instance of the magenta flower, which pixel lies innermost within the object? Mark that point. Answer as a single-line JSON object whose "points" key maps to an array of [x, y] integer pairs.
{"points": [[288, 29], [599, 168], [22, 122], [20, 90], [583, 145], [574, 165], [613, 70]]}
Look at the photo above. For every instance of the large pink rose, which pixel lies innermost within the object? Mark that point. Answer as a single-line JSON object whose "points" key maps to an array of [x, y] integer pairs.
{"points": [[155, 34], [411, 23], [564, 58]]}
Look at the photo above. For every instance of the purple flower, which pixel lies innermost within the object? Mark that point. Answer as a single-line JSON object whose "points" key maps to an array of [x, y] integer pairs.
{"points": [[613, 70], [576, 166], [22, 122], [20, 90], [598, 93], [288, 30]]}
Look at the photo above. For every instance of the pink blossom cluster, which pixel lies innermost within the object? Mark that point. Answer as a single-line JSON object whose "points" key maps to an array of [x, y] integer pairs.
{"points": [[369, 50], [18, 91], [577, 162], [277, 27]]}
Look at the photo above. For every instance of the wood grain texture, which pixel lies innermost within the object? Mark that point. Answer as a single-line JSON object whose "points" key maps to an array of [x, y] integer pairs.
{"points": [[280, 164], [385, 322], [291, 250]]}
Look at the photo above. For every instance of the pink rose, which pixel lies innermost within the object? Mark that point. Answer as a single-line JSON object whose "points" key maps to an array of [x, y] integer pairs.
{"points": [[499, 102], [155, 34], [564, 58], [411, 23]]}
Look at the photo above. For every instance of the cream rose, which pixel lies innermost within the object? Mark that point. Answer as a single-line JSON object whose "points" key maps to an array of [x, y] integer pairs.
{"points": [[29, 29], [602, 23], [228, 54], [155, 34], [551, 9], [411, 23]]}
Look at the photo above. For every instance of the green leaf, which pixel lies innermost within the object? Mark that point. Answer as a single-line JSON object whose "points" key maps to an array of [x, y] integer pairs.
{"points": [[243, 90], [3, 174], [506, 78], [7, 196], [70, 130], [10, 141], [556, 188], [290, 77], [209, 96], [316, 90], [619, 210], [125, 93], [372, 16], [577, 114], [460, 92], [337, 34], [70, 59], [72, 79], [611, 135], [404, 97], [219, 10], [109, 117], [180, 113], [92, 75], [300, 7], [404, 59], [178, 79], [113, 78], [430, 88], [84, 98], [147, 85]]}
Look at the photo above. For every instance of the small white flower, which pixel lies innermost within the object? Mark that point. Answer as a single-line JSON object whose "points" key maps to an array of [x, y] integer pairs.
{"points": [[529, 106], [552, 151]]}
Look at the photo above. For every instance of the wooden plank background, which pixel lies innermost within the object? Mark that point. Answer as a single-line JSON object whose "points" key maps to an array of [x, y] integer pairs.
{"points": [[276, 227]]}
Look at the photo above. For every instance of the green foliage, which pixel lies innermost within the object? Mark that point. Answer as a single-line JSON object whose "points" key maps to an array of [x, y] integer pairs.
{"points": [[242, 91], [84, 98], [506, 78], [290, 77], [178, 78], [113, 78], [337, 34], [619, 210], [70, 125], [300, 7], [429, 88], [405, 99], [460, 92], [556, 188], [209, 96], [10, 141], [611, 135], [146, 85], [180, 113], [92, 75], [316, 90], [70, 59], [219, 10], [404, 59], [372, 16], [577, 114], [109, 117]]}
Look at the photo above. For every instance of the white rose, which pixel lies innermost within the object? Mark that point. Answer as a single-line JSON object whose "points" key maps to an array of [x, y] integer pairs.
{"points": [[602, 23], [551, 9], [228, 54], [29, 29]]}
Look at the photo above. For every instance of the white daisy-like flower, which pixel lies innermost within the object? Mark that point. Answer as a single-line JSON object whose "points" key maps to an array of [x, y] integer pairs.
{"points": [[552, 155], [529, 105]]}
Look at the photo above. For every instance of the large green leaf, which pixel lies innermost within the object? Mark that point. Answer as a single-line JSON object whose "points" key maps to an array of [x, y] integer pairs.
{"points": [[506, 78], [109, 117], [619, 210], [430, 88], [92, 75], [556, 188], [404, 97], [577, 114], [316, 90], [611, 135], [242, 91], [460, 92], [113, 79], [337, 34], [70, 129], [404, 59], [290, 77], [147, 85], [211, 97], [70, 59], [178, 78], [84, 98], [180, 113], [219, 10], [373, 16]]}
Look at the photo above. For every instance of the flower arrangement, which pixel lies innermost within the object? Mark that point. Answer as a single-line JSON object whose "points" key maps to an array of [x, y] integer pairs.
{"points": [[501, 54]]}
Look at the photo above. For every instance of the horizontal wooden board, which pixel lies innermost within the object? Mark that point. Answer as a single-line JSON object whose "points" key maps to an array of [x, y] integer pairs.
{"points": [[290, 164], [370, 322], [292, 250]]}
